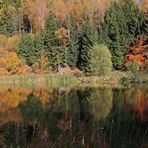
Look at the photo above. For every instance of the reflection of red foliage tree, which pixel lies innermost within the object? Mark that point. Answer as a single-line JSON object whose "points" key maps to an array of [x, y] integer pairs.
{"points": [[140, 104], [137, 53]]}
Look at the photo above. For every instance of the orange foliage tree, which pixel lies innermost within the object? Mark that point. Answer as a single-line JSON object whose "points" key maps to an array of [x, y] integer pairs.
{"points": [[137, 100], [37, 12], [80, 10], [138, 53], [63, 35], [60, 9], [144, 5]]}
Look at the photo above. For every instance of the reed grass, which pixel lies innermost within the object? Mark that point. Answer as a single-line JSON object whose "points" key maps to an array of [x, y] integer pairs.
{"points": [[38, 80], [56, 80]]}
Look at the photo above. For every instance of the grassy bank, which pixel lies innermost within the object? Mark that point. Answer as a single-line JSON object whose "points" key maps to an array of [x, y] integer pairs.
{"points": [[38, 80], [116, 78]]}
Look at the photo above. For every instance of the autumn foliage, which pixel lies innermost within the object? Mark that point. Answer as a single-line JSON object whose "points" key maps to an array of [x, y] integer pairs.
{"points": [[66, 30], [63, 35], [10, 63], [144, 5], [140, 103], [80, 10], [138, 53], [37, 11]]}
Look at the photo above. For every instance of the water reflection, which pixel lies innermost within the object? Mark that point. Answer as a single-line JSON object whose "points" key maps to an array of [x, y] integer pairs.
{"points": [[62, 117]]}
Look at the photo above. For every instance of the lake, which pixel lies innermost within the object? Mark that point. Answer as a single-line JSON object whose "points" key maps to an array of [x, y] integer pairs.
{"points": [[82, 117]]}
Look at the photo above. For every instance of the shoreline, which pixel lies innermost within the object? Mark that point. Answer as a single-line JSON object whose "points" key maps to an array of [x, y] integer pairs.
{"points": [[116, 79]]}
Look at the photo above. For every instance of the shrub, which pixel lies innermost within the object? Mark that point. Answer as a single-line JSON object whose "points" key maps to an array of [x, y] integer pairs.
{"points": [[100, 61], [15, 65], [133, 67]]}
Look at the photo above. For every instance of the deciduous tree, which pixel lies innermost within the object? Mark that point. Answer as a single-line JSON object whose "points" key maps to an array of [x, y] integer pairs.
{"points": [[37, 11]]}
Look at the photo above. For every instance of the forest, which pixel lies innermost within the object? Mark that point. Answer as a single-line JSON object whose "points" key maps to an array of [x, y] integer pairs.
{"points": [[93, 37]]}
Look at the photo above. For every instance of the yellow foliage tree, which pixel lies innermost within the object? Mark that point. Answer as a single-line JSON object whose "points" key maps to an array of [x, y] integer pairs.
{"points": [[42, 66], [15, 65], [10, 63]]}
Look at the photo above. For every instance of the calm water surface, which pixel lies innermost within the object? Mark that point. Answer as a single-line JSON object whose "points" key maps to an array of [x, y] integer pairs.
{"points": [[74, 118]]}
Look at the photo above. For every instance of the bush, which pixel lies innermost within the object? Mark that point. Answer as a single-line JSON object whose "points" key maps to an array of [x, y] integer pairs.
{"points": [[100, 61], [133, 67]]}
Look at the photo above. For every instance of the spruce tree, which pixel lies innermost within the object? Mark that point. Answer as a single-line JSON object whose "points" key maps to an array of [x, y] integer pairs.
{"points": [[26, 49], [114, 33], [133, 17], [121, 25], [5, 27], [55, 50], [72, 52], [86, 42]]}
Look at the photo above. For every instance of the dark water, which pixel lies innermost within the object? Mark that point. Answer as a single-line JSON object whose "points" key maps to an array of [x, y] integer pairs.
{"points": [[74, 118]]}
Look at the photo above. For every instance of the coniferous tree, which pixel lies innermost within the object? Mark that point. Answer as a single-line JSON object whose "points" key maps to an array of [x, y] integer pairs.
{"points": [[72, 57], [118, 31], [5, 27], [56, 51], [26, 49], [122, 24], [86, 42], [133, 17]]}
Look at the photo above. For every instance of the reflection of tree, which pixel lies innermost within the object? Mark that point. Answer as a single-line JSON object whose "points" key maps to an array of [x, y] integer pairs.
{"points": [[10, 97], [2, 142], [121, 127], [10, 116], [31, 110], [14, 136], [101, 103], [73, 118], [137, 99], [44, 94]]}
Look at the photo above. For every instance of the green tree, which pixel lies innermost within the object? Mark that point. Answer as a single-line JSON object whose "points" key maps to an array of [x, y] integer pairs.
{"points": [[133, 17], [73, 52], [100, 61], [5, 27], [55, 50], [27, 50], [86, 42], [115, 34], [121, 24]]}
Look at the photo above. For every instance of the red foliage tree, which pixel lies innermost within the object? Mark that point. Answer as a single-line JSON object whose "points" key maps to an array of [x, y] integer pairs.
{"points": [[138, 52]]}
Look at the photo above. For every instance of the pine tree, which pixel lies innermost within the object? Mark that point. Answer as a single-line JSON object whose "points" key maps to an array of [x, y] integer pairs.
{"points": [[86, 42]]}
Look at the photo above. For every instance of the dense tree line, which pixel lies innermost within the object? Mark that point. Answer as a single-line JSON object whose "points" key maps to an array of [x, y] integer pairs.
{"points": [[94, 37]]}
